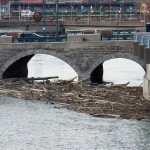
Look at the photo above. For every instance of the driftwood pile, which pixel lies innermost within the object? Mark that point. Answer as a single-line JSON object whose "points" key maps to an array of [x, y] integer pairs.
{"points": [[117, 101]]}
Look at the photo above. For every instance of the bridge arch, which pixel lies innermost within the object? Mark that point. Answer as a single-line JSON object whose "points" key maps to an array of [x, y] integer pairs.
{"points": [[113, 56], [31, 53]]}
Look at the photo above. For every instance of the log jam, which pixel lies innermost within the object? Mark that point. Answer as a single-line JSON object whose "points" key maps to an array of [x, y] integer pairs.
{"points": [[115, 101]]}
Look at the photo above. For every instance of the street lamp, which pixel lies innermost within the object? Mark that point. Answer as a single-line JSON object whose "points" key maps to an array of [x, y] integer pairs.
{"points": [[120, 14], [57, 20], [89, 16], [44, 18], [63, 14], [19, 13], [71, 13], [100, 13], [9, 9], [145, 14], [0, 11]]}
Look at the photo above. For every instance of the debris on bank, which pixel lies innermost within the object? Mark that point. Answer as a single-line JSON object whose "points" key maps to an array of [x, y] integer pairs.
{"points": [[115, 101]]}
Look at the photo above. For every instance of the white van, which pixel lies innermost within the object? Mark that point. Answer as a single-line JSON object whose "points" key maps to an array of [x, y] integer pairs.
{"points": [[27, 13]]}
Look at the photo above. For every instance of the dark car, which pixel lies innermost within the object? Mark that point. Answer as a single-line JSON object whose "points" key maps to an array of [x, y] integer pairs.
{"points": [[30, 37]]}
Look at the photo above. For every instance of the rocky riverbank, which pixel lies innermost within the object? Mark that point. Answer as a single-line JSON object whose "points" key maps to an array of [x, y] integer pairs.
{"points": [[116, 101]]}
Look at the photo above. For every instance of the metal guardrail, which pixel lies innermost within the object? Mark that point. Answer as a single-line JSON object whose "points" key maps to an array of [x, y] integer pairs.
{"points": [[148, 43], [145, 39], [37, 39], [117, 37], [130, 31], [140, 35]]}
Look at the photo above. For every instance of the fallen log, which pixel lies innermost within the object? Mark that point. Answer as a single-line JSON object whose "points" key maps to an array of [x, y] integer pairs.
{"points": [[8, 91], [106, 115], [120, 85], [84, 80], [30, 79], [67, 81], [71, 80]]}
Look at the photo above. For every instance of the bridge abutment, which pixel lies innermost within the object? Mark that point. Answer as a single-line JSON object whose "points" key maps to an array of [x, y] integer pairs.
{"points": [[146, 80], [146, 83]]}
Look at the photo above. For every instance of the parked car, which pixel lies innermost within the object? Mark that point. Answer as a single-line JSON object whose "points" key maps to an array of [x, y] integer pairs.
{"points": [[30, 37]]}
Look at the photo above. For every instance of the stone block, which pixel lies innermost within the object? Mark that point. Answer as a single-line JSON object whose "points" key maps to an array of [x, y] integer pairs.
{"points": [[6, 39]]}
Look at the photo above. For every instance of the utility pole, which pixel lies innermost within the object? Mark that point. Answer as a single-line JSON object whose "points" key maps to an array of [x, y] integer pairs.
{"points": [[44, 18], [57, 20]]}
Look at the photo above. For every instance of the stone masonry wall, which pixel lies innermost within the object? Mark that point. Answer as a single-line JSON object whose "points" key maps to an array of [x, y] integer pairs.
{"points": [[83, 57]]}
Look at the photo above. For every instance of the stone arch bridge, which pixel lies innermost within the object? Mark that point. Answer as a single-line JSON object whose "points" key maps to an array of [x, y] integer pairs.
{"points": [[84, 53]]}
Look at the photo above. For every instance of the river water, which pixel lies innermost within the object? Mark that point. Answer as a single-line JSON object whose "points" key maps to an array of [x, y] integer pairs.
{"points": [[33, 125]]}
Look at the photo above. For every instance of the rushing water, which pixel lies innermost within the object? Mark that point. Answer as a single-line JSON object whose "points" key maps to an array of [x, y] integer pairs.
{"points": [[33, 125]]}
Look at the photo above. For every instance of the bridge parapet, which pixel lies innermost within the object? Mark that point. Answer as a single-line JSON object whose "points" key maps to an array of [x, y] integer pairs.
{"points": [[82, 55], [84, 38], [104, 23], [68, 38]]}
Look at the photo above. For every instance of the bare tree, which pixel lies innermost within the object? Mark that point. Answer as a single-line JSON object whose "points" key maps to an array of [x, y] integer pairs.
{"points": [[148, 6]]}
